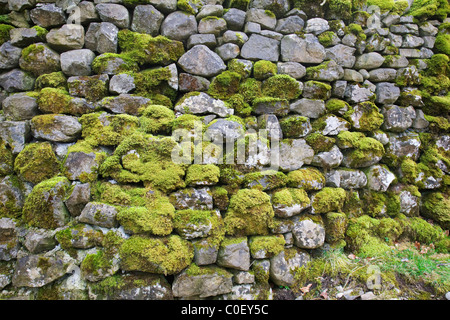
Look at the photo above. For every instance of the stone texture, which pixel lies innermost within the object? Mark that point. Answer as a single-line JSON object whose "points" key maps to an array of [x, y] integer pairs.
{"points": [[296, 49], [77, 62], [260, 48], [146, 19], [179, 26], [201, 61]]}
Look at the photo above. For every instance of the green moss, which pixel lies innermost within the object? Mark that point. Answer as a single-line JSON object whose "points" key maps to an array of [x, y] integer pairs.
{"points": [[185, 5], [442, 44], [100, 128], [363, 148], [145, 49], [436, 206], [417, 229], [409, 171], [156, 119], [335, 226], [188, 223], [327, 38], [238, 4], [97, 87], [329, 200], [384, 5], [185, 121], [317, 90], [52, 80], [337, 106], [357, 30], [319, 142], [167, 255], [4, 32], [202, 174], [239, 67], [249, 213], [290, 197], [69, 237], [263, 69], [37, 162], [270, 245], [281, 86], [53, 100], [6, 160], [340, 8], [265, 180], [38, 210], [294, 126], [426, 9], [250, 89], [400, 7], [100, 63], [307, 178], [241, 108], [154, 81], [225, 85]]}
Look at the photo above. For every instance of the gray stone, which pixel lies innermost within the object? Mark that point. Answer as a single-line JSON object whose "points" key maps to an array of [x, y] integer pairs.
{"points": [[282, 268], [222, 129], [391, 19], [201, 61], [295, 153], [20, 106], [333, 125], [410, 41], [204, 252], [102, 37], [77, 62], [117, 14], [410, 53], [236, 37], [30, 273], [228, 51], [9, 239], [396, 62], [428, 41], [291, 24], [338, 88], [278, 7], [371, 60], [316, 26], [68, 37], [17, 80], [419, 121], [78, 164], [396, 40], [121, 83], [179, 26], [328, 159], [261, 17], [9, 56], [343, 55], [302, 50], [209, 282], [40, 61], [260, 48], [406, 144], [192, 198], [286, 211], [78, 198], [377, 43], [206, 39], [327, 71], [398, 119], [353, 75], [58, 128], [146, 19], [426, 53], [99, 214], [15, 133], [293, 69], [355, 93], [242, 277], [19, 5], [307, 233], [310, 108], [349, 40], [379, 178], [427, 29], [215, 26], [252, 27], [270, 123], [382, 75], [40, 240], [277, 107], [409, 204], [234, 254], [80, 86], [387, 93], [83, 13], [347, 179], [235, 19], [125, 103], [208, 10], [204, 104], [48, 15]]}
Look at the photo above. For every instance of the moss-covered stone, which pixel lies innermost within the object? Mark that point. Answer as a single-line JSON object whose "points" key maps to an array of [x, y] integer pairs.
{"points": [[250, 89], [328, 200], [436, 206], [249, 213], [166, 255], [263, 247], [51, 80], [191, 224], [154, 81], [54, 100], [309, 179], [265, 180], [37, 162], [365, 116], [281, 86], [224, 85], [202, 174], [44, 207], [426, 9], [156, 119], [145, 49], [6, 160], [263, 69], [4, 32], [114, 63], [335, 226]]}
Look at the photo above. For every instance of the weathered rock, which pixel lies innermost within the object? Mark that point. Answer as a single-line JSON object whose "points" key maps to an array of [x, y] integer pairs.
{"points": [[201, 61], [260, 48], [20, 106], [289, 25], [369, 60], [328, 159], [47, 15], [398, 119], [405, 144], [146, 19], [307, 50], [228, 51], [331, 125], [382, 75], [387, 93], [310, 108], [40, 240], [9, 239], [327, 71], [353, 76], [202, 282], [78, 198], [345, 178], [193, 224], [225, 130], [102, 37], [215, 26], [15, 134], [188, 82], [22, 37], [205, 253], [45, 269], [179, 26], [115, 13], [260, 16], [99, 214], [57, 128], [17, 80], [283, 265], [83, 13], [343, 55], [293, 69], [379, 178], [316, 26], [203, 104], [68, 37], [235, 19], [271, 106], [234, 253], [125, 103], [9, 56], [77, 62], [356, 93], [121, 83], [92, 88], [295, 153], [308, 233]]}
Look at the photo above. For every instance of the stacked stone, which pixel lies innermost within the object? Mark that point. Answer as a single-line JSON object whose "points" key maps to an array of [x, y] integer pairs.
{"points": [[94, 93]]}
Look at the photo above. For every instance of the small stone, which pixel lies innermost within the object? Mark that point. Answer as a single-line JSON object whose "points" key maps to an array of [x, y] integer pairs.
{"points": [[282, 266], [316, 26], [235, 19], [343, 55], [260, 48], [47, 15], [102, 37], [15, 134], [115, 13], [379, 178], [77, 62], [387, 93], [293, 69], [289, 25], [228, 51], [179, 26], [234, 253], [302, 50], [369, 60], [311, 108], [57, 128], [261, 17], [99, 214], [204, 104], [146, 19], [68, 37], [78, 199], [121, 83], [20, 106], [9, 56], [188, 82], [39, 59], [201, 61], [215, 26]]}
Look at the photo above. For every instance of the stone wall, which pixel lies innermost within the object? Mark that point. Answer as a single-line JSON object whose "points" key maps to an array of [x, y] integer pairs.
{"points": [[346, 105]]}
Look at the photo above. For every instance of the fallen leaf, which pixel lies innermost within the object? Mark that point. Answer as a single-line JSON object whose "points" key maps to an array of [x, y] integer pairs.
{"points": [[417, 245], [306, 289], [324, 294]]}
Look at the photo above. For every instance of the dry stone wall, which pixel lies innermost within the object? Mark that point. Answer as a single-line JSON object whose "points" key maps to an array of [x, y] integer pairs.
{"points": [[210, 149]]}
